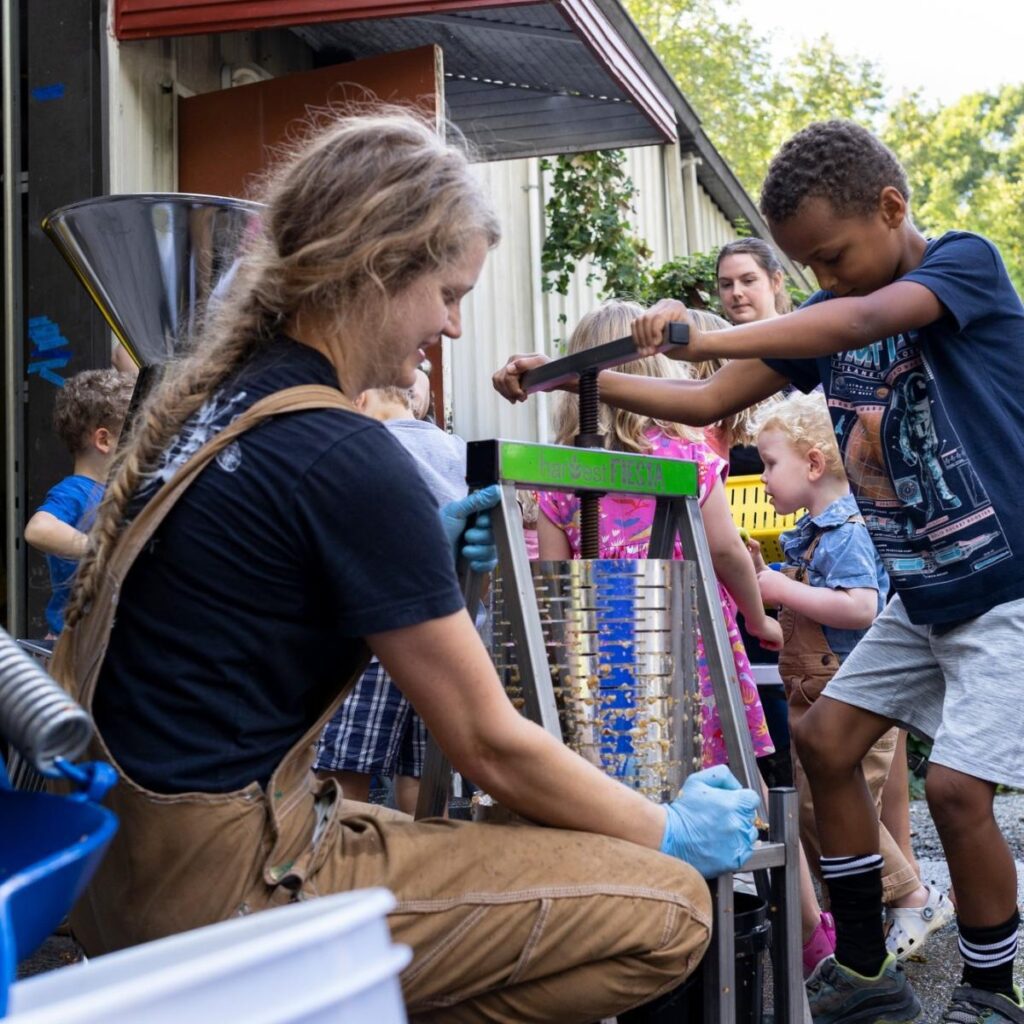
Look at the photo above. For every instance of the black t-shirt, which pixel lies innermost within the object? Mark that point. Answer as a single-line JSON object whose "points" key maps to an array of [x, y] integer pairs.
{"points": [[240, 620]]}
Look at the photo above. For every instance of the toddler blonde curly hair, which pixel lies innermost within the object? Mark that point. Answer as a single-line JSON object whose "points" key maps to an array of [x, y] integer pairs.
{"points": [[805, 421]]}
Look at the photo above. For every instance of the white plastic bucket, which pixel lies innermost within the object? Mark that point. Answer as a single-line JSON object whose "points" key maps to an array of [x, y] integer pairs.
{"points": [[328, 959]]}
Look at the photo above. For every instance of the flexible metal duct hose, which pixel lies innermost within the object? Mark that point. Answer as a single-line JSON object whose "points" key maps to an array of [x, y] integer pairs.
{"points": [[36, 716]]}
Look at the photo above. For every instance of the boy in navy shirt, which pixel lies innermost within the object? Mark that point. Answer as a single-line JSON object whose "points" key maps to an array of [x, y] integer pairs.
{"points": [[917, 345], [87, 415]]}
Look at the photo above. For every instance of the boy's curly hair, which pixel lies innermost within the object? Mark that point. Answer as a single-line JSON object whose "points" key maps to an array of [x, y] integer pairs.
{"points": [[806, 423], [836, 160], [90, 400]]}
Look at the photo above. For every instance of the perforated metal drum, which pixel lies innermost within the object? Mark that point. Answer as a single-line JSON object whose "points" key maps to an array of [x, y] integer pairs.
{"points": [[623, 670]]}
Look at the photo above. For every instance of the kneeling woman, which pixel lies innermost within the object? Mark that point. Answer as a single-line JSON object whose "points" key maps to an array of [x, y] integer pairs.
{"points": [[257, 539]]}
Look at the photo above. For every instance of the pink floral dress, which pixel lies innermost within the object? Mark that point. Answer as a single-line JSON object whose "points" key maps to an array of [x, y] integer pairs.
{"points": [[626, 532]]}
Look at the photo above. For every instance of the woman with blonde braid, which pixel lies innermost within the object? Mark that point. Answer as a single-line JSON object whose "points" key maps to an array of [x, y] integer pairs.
{"points": [[259, 537]]}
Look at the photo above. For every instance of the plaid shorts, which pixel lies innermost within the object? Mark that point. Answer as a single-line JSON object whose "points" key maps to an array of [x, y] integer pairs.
{"points": [[374, 732]]}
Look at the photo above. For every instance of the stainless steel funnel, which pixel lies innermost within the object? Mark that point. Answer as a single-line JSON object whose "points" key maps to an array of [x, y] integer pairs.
{"points": [[620, 641], [151, 262]]}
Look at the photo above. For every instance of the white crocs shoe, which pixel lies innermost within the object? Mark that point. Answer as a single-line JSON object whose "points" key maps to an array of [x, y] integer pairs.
{"points": [[908, 928]]}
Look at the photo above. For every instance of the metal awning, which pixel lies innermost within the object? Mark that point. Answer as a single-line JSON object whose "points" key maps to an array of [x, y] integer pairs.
{"points": [[521, 79]]}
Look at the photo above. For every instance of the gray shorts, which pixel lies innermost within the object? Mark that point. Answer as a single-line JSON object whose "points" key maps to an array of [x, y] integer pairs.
{"points": [[964, 688]]}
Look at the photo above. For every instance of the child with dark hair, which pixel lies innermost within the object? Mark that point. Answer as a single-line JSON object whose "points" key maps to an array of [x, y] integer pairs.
{"points": [[87, 416], [917, 344]]}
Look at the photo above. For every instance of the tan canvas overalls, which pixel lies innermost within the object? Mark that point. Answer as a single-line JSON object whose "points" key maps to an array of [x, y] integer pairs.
{"points": [[506, 923], [806, 664]]}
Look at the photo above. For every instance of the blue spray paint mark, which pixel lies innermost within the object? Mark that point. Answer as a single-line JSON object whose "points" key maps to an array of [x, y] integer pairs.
{"points": [[48, 342], [45, 93]]}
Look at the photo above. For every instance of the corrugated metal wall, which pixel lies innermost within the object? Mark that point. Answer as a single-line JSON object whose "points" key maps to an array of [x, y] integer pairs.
{"points": [[508, 312]]}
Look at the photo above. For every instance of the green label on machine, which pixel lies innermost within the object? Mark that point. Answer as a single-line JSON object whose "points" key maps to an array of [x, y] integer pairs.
{"points": [[554, 467]]}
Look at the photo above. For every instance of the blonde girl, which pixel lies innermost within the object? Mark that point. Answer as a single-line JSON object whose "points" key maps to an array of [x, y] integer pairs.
{"points": [[626, 520]]}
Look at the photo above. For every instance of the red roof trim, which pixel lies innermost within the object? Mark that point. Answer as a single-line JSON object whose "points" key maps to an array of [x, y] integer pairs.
{"points": [[620, 62], [151, 19]]}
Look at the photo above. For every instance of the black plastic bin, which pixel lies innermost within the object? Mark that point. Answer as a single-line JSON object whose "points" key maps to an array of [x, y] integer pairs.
{"points": [[685, 1005]]}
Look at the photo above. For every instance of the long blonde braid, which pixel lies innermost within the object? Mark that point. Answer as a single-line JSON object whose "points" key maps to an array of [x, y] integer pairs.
{"points": [[365, 203]]}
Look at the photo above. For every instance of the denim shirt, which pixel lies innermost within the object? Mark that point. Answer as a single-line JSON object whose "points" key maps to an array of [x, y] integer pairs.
{"points": [[844, 559]]}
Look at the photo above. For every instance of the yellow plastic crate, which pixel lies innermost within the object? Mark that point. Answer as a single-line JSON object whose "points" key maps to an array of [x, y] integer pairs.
{"points": [[753, 512]]}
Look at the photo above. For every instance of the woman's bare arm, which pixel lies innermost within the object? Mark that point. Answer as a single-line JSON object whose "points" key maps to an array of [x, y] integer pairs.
{"points": [[444, 670]]}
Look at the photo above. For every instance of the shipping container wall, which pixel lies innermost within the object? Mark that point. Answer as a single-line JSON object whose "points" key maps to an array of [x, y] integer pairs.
{"points": [[146, 79]]}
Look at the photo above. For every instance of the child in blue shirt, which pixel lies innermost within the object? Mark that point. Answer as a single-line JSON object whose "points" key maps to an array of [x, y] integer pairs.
{"points": [[88, 415], [830, 589], [918, 345]]}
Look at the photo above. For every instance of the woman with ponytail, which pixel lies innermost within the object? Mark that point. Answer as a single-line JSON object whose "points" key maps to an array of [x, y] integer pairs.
{"points": [[258, 539]]}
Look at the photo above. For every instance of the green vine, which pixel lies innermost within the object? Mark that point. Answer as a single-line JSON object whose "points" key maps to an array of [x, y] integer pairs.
{"points": [[692, 279], [591, 195]]}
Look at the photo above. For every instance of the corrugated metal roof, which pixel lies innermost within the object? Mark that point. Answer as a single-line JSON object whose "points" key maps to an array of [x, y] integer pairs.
{"points": [[530, 47], [519, 81]]}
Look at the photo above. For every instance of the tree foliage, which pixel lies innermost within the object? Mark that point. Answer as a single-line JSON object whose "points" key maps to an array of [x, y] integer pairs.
{"points": [[590, 197], [748, 103], [965, 160]]}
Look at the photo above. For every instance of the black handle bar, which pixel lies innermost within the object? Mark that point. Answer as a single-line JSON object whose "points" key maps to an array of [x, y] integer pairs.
{"points": [[604, 357]]}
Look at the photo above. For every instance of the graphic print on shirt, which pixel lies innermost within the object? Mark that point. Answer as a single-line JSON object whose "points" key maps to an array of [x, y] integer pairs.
{"points": [[218, 412], [927, 511]]}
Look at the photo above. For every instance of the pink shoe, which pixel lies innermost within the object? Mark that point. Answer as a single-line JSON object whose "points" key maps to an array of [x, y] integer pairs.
{"points": [[821, 944]]}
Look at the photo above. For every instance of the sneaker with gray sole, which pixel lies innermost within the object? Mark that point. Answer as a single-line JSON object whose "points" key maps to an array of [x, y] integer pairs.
{"points": [[838, 995], [976, 1006]]}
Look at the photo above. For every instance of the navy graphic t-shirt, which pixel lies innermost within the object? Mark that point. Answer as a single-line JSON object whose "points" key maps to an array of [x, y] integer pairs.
{"points": [[931, 427], [240, 620]]}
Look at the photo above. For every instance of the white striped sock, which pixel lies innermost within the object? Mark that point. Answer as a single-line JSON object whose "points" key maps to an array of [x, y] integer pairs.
{"points": [[844, 867], [989, 955]]}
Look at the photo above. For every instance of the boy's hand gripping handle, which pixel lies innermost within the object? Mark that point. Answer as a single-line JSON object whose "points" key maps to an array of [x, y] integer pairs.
{"points": [[603, 357]]}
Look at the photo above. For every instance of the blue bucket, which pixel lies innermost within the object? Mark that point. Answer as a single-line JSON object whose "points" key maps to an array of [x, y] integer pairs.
{"points": [[49, 848]]}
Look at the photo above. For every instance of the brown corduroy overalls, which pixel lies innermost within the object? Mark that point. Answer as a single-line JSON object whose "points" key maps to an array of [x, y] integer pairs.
{"points": [[806, 664]]}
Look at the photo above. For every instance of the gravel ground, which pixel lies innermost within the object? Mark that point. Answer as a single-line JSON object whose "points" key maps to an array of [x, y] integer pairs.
{"points": [[936, 969]]}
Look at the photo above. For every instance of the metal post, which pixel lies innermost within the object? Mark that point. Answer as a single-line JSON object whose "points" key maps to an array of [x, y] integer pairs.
{"points": [[436, 781], [524, 615], [717, 649], [664, 528], [13, 358], [787, 963], [720, 959]]}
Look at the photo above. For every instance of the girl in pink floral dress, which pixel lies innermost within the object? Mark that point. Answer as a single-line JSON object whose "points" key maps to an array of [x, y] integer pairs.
{"points": [[626, 521]]}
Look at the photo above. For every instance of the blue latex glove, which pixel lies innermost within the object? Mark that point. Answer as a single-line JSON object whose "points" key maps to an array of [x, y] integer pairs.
{"points": [[473, 542], [711, 823]]}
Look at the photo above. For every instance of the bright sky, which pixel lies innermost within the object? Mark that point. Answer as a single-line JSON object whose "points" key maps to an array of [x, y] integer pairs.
{"points": [[948, 48]]}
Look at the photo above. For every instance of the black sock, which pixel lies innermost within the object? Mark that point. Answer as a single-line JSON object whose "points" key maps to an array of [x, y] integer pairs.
{"points": [[855, 891], [989, 954]]}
